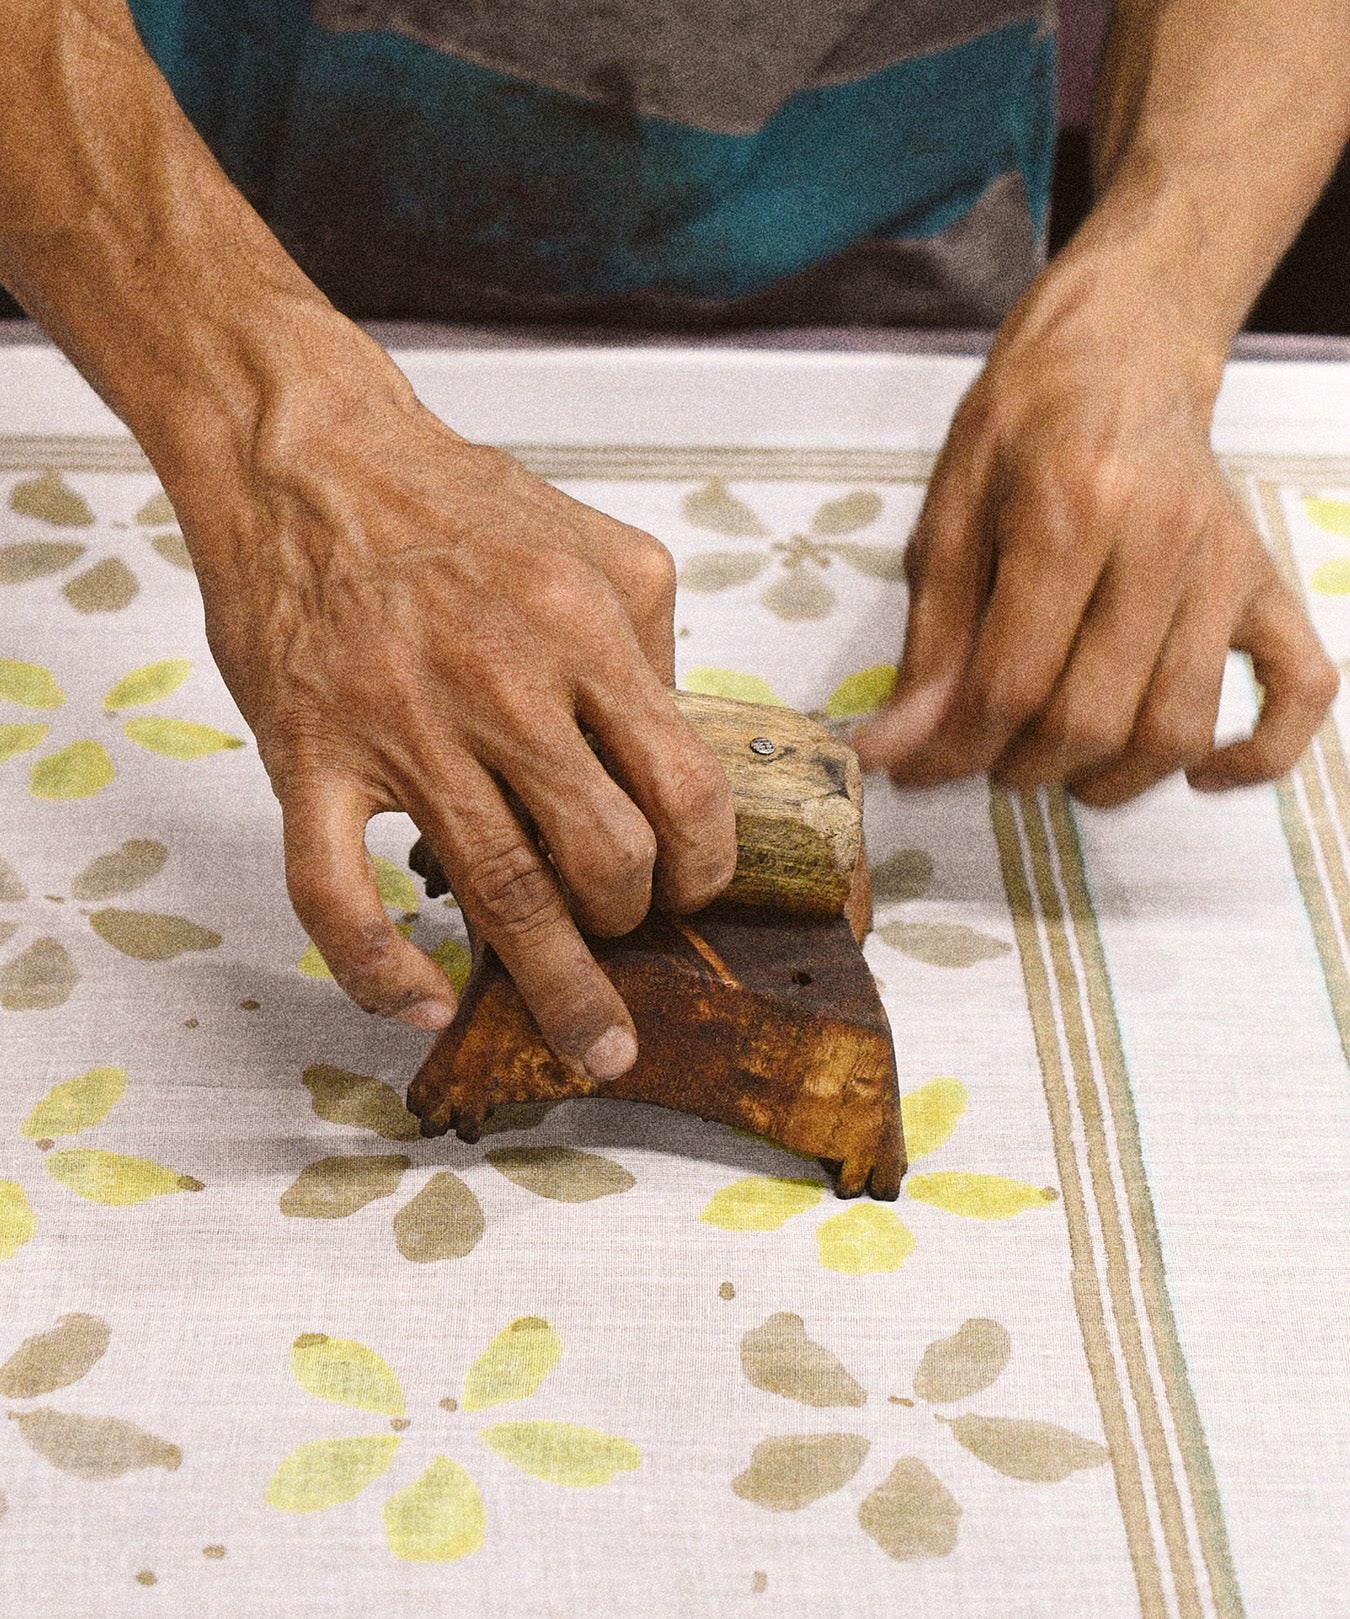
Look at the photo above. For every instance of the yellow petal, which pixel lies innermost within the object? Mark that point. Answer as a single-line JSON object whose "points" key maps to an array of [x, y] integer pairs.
{"points": [[562, 1453], [179, 739], [1332, 515], [20, 739], [395, 885], [454, 961], [1332, 578], [17, 1220], [513, 1365], [730, 683], [439, 1518], [51, 498], [312, 964], [327, 1472], [863, 1239], [980, 1197], [79, 771], [346, 1098], [76, 1104], [29, 685], [862, 693], [148, 684], [930, 1114], [114, 1178], [760, 1203], [346, 1372]]}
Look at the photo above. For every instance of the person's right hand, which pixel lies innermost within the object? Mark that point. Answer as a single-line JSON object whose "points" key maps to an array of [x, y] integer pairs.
{"points": [[411, 621]]}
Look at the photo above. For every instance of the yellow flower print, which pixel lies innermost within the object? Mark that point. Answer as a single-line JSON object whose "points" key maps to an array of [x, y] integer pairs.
{"points": [[439, 1516], [84, 767]]}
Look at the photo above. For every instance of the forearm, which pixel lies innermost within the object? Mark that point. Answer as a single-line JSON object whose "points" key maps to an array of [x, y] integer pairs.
{"points": [[123, 237], [1216, 124]]}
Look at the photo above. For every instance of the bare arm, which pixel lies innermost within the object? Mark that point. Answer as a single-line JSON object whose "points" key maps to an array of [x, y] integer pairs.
{"points": [[1081, 568], [407, 620]]}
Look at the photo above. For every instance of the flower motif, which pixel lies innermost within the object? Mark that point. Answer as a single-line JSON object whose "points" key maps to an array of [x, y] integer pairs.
{"points": [[867, 1237], [799, 592], [911, 1513], [43, 975], [440, 1516], [115, 1179], [444, 1219], [108, 585], [93, 1448], [83, 768]]}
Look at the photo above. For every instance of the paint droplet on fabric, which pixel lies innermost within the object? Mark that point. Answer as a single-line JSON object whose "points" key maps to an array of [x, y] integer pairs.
{"points": [[942, 944], [158, 509], [216, 1552], [759, 1583], [150, 936], [900, 1399], [862, 693], [979, 1197], [1036, 1452], [29, 685], [789, 1473], [760, 1203], [172, 548], [146, 1577], [179, 739], [94, 1448], [76, 1104], [148, 684], [114, 1178], [39, 978], [400, 1424], [726, 1291], [79, 771], [563, 1174], [779, 1358], [250, 1006], [35, 560], [964, 1364], [714, 506], [438, 1518], [864, 1239], [17, 1220], [444, 1221], [449, 1403], [912, 1514], [333, 1188], [50, 498], [562, 1452], [107, 587], [191, 1023], [45, 1145], [55, 899], [514, 1364], [55, 1359], [347, 1372], [327, 1472], [930, 1114], [342, 1097]]}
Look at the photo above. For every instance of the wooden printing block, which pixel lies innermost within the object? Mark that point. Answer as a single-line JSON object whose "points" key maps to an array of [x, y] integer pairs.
{"points": [[759, 1012]]}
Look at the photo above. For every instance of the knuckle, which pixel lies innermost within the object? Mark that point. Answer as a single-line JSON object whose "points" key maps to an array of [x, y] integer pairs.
{"points": [[1173, 737], [1319, 681], [1007, 705], [512, 891], [651, 566], [1086, 735], [697, 789]]}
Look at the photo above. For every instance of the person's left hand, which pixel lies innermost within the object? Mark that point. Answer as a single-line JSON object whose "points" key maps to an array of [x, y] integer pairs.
{"points": [[1081, 568]]}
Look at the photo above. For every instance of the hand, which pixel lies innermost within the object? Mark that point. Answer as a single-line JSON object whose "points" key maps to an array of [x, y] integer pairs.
{"points": [[411, 621], [1081, 568]]}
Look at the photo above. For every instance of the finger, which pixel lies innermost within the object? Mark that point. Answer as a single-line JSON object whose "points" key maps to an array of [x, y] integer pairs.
{"points": [[597, 837], [1044, 585], [948, 564], [677, 782], [642, 573], [1091, 714], [332, 887], [1300, 682], [1175, 726], [512, 896]]}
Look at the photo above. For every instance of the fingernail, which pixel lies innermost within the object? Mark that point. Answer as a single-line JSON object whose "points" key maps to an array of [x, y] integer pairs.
{"points": [[614, 1053], [429, 1014]]}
